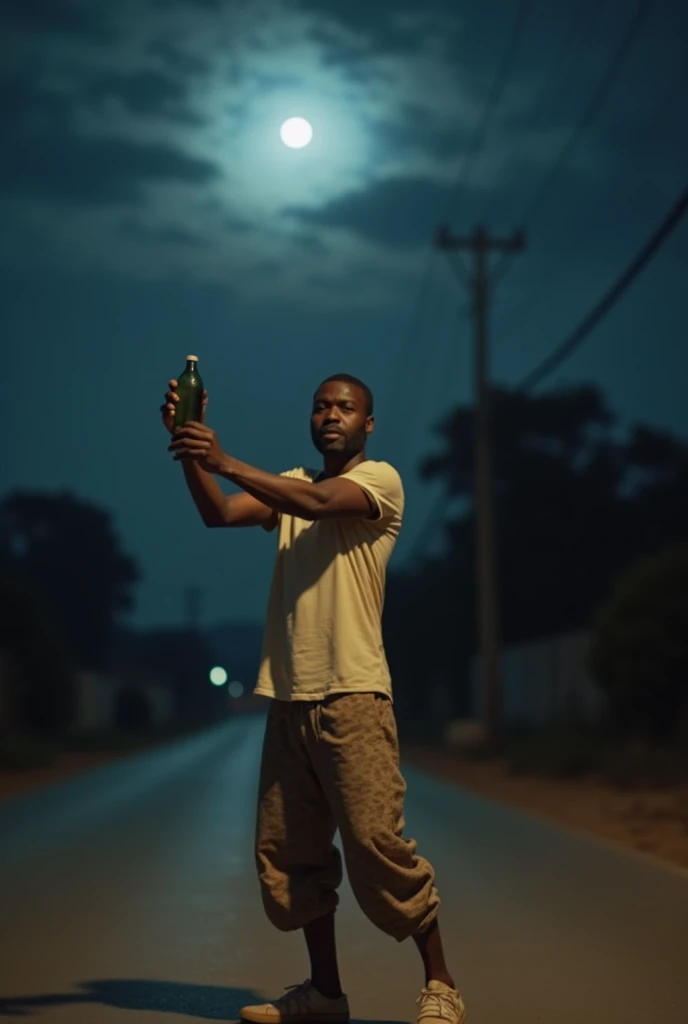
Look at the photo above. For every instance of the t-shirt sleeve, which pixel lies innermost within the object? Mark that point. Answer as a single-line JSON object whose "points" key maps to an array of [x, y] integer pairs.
{"points": [[382, 484]]}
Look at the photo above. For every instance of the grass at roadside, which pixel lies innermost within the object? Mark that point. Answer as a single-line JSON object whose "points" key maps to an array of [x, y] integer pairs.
{"points": [[22, 753], [565, 754]]}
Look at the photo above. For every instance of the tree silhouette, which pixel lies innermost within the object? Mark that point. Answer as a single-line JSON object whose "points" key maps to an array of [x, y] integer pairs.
{"points": [[181, 659], [38, 695], [69, 553], [561, 519], [639, 650], [575, 503]]}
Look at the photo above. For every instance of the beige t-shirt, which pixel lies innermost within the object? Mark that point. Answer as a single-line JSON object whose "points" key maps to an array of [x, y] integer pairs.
{"points": [[323, 633]]}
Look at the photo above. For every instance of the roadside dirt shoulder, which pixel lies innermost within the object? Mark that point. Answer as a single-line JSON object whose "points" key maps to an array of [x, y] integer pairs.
{"points": [[649, 821], [17, 783]]}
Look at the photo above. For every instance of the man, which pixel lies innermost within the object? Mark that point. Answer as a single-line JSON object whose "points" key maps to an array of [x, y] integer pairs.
{"points": [[330, 755]]}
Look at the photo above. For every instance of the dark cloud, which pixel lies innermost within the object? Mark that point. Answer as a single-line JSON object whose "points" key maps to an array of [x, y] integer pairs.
{"points": [[339, 50], [238, 225], [178, 59], [374, 19], [378, 22], [311, 243], [417, 132], [24, 106], [44, 156], [144, 93], [166, 235], [322, 281], [201, 5], [268, 268], [55, 17], [399, 212], [95, 171], [210, 207]]}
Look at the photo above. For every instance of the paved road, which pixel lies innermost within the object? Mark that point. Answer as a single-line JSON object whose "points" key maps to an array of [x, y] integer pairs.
{"points": [[128, 895]]}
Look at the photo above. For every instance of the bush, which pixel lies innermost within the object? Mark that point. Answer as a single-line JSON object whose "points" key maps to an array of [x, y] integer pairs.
{"points": [[133, 712], [639, 647], [19, 752], [39, 694], [553, 754], [570, 754]]}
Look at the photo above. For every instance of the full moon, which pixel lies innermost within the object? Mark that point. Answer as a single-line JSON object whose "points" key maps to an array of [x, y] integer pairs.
{"points": [[296, 133]]}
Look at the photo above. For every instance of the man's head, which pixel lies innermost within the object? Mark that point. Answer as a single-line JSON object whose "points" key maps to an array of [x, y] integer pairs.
{"points": [[342, 417]]}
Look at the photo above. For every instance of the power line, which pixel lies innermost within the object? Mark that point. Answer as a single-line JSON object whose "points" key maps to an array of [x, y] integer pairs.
{"points": [[475, 144], [499, 85], [575, 35], [416, 324], [668, 225], [596, 101], [637, 265], [435, 370], [547, 282]]}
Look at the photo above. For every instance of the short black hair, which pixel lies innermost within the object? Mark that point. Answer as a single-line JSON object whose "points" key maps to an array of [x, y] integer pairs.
{"points": [[347, 378]]}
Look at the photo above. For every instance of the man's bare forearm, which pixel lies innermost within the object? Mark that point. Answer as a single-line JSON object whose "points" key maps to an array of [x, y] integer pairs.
{"points": [[206, 493], [291, 497]]}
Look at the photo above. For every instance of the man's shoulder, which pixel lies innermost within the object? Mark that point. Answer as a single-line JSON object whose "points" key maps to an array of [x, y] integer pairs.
{"points": [[382, 483], [381, 471]]}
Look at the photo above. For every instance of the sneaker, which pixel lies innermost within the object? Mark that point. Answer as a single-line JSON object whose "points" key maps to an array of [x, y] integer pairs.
{"points": [[439, 1002], [301, 1003]]}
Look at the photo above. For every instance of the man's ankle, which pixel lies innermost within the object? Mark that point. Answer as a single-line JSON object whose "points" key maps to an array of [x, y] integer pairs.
{"points": [[444, 979], [328, 990]]}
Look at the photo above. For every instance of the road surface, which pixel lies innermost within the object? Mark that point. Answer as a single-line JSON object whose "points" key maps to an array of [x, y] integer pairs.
{"points": [[128, 895]]}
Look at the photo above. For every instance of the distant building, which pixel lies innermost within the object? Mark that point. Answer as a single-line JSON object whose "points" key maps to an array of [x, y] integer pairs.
{"points": [[544, 682], [126, 702]]}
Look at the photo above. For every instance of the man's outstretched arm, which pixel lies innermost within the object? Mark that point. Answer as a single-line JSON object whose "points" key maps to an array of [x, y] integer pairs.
{"points": [[218, 509], [333, 498]]}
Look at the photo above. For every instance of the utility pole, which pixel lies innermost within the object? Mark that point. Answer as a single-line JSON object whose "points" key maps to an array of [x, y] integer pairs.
{"points": [[479, 246]]}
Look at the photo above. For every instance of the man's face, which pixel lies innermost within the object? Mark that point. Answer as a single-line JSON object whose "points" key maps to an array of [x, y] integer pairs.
{"points": [[340, 422]]}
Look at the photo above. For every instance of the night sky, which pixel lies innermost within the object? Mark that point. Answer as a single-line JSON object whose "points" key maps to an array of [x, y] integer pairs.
{"points": [[150, 209]]}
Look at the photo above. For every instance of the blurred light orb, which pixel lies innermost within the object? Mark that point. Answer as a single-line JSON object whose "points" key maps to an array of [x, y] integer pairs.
{"points": [[218, 676], [296, 133], [236, 690]]}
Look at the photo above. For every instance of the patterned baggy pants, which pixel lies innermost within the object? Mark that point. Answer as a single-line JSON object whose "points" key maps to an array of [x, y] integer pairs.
{"points": [[328, 765]]}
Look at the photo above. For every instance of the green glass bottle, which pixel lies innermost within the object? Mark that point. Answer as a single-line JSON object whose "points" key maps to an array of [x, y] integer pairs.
{"points": [[190, 391]]}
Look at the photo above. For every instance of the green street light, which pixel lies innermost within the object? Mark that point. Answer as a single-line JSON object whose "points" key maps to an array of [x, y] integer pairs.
{"points": [[218, 676]]}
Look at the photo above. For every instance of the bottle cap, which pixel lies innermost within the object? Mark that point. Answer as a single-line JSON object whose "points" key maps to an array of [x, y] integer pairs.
{"points": [[190, 358]]}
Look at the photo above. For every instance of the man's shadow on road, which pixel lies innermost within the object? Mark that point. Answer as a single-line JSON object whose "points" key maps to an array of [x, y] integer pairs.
{"points": [[209, 1002]]}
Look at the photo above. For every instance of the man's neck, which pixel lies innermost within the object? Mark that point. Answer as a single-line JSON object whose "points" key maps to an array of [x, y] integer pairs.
{"points": [[336, 466]]}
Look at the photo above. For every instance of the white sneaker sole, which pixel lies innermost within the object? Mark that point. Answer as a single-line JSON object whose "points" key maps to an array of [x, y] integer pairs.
{"points": [[256, 1016]]}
